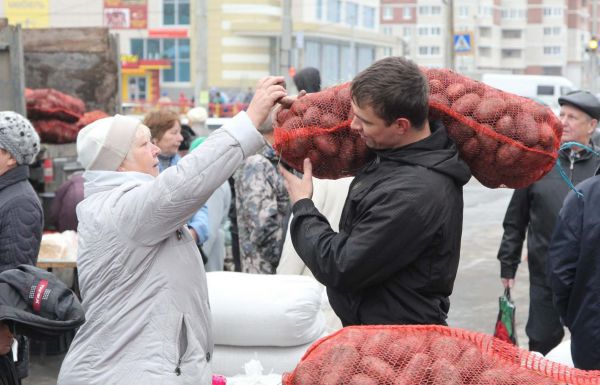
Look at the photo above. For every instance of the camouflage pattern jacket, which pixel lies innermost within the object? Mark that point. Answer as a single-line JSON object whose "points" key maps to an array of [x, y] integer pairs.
{"points": [[263, 208]]}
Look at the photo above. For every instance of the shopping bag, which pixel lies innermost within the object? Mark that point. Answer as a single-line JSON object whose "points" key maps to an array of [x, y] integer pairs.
{"points": [[505, 325]]}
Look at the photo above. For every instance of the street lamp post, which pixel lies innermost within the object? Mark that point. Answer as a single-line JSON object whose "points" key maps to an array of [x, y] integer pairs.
{"points": [[450, 39]]}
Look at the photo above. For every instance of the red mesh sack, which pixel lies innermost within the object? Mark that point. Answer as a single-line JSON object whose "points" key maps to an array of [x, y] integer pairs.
{"points": [[90, 117], [56, 131], [317, 126], [49, 103], [426, 355], [507, 140]]}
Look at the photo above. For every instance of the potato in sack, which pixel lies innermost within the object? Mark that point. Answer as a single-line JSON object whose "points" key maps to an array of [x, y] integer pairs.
{"points": [[317, 126], [517, 138]]}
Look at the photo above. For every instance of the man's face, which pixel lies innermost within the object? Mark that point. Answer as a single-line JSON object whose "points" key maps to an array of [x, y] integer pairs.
{"points": [[577, 125], [170, 141], [7, 162], [143, 156], [6, 339], [376, 133]]}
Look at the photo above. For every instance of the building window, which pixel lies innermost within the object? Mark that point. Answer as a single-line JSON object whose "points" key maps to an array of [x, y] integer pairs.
{"points": [[463, 11], [407, 32], [423, 31], [319, 10], [387, 30], [333, 10], [369, 17], [485, 32], [406, 13], [552, 50], [485, 52], [366, 57], [512, 33], [436, 10], [424, 10], [352, 13], [553, 11], [511, 53], [176, 50], [388, 13], [176, 12], [429, 50], [436, 31]]}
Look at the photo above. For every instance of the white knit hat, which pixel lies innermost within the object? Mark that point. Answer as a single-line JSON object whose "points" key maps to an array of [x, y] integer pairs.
{"points": [[18, 137], [104, 144]]}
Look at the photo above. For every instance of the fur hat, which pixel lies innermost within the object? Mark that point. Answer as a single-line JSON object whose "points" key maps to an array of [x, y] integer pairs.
{"points": [[18, 137], [104, 144]]}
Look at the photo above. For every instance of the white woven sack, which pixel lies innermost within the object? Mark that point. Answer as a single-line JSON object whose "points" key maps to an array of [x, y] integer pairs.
{"points": [[561, 354], [264, 309], [229, 360]]}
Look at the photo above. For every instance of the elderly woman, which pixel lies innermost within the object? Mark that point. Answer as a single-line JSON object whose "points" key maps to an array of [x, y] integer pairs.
{"points": [[142, 280]]}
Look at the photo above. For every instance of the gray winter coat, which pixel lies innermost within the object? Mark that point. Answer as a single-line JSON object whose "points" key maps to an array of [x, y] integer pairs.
{"points": [[141, 276]]}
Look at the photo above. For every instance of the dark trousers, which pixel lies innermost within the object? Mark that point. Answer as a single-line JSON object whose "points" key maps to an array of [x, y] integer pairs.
{"points": [[543, 328]]}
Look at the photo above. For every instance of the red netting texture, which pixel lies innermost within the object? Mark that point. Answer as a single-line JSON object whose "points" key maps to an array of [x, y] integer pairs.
{"points": [[48, 103], [426, 355], [317, 126], [507, 140]]}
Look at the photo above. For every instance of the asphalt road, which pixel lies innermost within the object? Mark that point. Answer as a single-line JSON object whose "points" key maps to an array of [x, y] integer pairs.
{"points": [[474, 303]]}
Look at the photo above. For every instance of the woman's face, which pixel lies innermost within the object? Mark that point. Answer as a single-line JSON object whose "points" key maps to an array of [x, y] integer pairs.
{"points": [[6, 339], [170, 141]]}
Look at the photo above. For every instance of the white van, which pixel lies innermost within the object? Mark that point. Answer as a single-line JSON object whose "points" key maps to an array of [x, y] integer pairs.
{"points": [[546, 89]]}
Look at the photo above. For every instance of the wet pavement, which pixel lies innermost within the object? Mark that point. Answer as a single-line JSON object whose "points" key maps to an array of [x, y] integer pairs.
{"points": [[474, 303]]}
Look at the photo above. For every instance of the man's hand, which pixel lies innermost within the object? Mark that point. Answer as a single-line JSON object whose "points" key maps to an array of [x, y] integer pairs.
{"points": [[508, 283], [268, 91], [298, 188]]}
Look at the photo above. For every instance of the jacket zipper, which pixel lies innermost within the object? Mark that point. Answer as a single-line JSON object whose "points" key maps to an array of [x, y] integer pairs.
{"points": [[181, 347], [572, 159]]}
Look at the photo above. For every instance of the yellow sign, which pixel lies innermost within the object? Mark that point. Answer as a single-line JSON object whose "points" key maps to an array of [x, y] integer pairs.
{"points": [[28, 13], [129, 58]]}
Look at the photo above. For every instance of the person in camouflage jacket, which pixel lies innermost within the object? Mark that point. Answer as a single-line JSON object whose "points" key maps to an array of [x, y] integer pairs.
{"points": [[263, 207]]}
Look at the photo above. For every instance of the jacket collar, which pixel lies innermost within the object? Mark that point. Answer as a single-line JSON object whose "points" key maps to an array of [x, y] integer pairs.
{"points": [[98, 181], [13, 176]]}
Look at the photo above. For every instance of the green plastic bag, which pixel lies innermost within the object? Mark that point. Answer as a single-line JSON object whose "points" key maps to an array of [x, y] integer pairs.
{"points": [[505, 325]]}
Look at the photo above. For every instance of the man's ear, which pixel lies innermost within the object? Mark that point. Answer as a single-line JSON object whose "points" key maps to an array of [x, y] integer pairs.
{"points": [[401, 125], [12, 162], [594, 124]]}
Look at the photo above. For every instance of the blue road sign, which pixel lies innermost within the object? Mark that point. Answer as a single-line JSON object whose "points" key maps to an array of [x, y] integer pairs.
{"points": [[462, 42]]}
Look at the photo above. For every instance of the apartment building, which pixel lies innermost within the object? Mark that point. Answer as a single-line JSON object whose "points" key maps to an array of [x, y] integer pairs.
{"points": [[512, 36], [176, 47]]}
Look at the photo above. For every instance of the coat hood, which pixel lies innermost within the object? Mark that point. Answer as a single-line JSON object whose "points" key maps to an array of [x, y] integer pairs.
{"points": [[436, 152], [97, 181]]}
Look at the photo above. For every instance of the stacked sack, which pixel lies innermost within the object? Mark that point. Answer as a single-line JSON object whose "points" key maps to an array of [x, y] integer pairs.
{"points": [[269, 318], [56, 116], [507, 140]]}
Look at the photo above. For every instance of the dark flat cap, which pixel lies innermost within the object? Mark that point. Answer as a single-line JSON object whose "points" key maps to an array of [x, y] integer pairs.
{"points": [[583, 100]]}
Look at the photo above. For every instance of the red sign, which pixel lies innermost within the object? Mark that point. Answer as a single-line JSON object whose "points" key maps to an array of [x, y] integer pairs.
{"points": [[168, 32], [126, 14]]}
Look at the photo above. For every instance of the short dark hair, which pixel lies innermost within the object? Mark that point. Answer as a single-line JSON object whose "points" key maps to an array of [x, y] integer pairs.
{"points": [[395, 88]]}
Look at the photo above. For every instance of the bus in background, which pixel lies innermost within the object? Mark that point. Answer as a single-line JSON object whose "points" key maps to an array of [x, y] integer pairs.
{"points": [[541, 88]]}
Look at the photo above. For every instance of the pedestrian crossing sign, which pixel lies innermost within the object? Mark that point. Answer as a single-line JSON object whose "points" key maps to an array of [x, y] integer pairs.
{"points": [[462, 42]]}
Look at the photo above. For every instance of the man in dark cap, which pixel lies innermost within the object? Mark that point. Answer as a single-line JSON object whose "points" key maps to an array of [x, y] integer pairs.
{"points": [[533, 211]]}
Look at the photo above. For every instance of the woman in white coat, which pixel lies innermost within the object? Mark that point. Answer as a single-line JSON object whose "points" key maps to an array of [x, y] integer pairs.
{"points": [[141, 276]]}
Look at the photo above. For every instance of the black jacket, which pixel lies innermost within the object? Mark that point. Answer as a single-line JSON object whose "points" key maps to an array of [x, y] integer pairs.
{"points": [[21, 219], [574, 272], [395, 257], [534, 209]]}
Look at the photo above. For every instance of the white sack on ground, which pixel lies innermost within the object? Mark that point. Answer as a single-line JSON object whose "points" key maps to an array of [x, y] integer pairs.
{"points": [[265, 310], [230, 360], [561, 354]]}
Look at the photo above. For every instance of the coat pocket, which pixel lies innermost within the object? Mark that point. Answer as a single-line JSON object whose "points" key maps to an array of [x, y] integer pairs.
{"points": [[181, 341]]}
